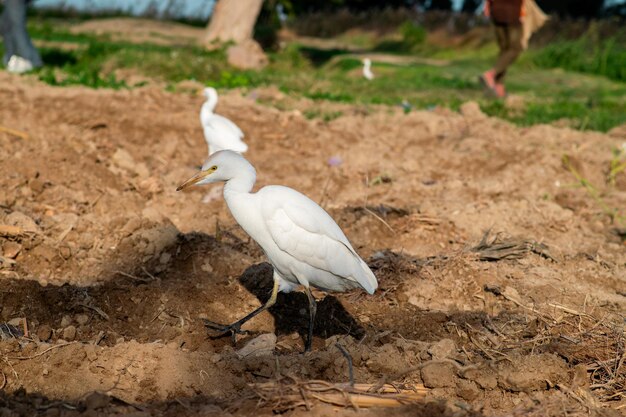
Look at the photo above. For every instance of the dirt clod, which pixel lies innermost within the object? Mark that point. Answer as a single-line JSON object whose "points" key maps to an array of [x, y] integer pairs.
{"points": [[96, 400], [44, 333], [467, 390], [443, 349], [21, 220], [262, 345], [439, 375], [537, 372], [11, 249], [69, 333]]}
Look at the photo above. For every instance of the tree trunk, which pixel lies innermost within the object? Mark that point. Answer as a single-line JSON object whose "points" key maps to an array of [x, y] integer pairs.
{"points": [[233, 20]]}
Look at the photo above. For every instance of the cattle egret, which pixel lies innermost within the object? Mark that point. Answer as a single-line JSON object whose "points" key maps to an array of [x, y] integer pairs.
{"points": [[219, 132], [367, 69], [302, 242]]}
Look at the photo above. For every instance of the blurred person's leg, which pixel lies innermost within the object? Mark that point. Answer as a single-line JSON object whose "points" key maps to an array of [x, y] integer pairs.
{"points": [[19, 49], [488, 78], [510, 42]]}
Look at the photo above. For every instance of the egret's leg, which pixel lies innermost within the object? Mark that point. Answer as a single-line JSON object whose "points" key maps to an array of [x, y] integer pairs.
{"points": [[312, 311], [235, 327]]}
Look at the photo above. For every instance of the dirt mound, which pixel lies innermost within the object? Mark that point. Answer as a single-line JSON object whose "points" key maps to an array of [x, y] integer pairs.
{"points": [[110, 272]]}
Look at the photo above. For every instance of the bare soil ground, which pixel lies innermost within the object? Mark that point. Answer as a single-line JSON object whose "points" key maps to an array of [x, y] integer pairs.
{"points": [[113, 271]]}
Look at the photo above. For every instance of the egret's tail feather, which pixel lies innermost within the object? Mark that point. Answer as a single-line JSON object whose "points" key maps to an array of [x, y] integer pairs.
{"points": [[368, 280]]}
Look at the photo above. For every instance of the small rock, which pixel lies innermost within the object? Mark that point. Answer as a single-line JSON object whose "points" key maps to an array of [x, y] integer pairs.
{"points": [[123, 159], [206, 266], [443, 349], [46, 252], [262, 345], [150, 185], [165, 257], [82, 319], [467, 390], [69, 333], [11, 249], [65, 252], [36, 185], [96, 400], [44, 333], [16, 322], [66, 321], [437, 375], [484, 379], [90, 352]]}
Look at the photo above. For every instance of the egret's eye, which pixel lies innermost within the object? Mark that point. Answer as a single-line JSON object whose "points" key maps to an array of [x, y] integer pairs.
{"points": [[213, 168]]}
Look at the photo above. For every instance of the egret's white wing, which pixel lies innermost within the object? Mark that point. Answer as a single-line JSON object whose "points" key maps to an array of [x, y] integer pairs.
{"points": [[220, 135], [225, 124], [302, 229]]}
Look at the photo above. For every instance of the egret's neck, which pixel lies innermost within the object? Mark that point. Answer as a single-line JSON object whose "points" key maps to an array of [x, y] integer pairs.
{"points": [[241, 183], [238, 197], [211, 100]]}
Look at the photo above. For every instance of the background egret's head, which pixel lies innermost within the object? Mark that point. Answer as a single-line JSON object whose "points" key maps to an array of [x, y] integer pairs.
{"points": [[211, 97], [221, 166], [209, 92]]}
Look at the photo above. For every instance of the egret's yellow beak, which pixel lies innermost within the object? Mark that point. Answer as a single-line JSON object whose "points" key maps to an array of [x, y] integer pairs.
{"points": [[193, 180]]}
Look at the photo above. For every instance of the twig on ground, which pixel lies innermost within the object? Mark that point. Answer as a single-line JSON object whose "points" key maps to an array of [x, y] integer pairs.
{"points": [[97, 310], [18, 133], [380, 219], [10, 231], [127, 275], [22, 358]]}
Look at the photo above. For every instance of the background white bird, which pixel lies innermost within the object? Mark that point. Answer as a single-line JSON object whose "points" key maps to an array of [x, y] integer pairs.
{"points": [[367, 69], [301, 241], [219, 132]]}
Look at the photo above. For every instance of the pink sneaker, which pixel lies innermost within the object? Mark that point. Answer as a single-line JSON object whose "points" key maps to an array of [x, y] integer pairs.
{"points": [[500, 90], [488, 80]]}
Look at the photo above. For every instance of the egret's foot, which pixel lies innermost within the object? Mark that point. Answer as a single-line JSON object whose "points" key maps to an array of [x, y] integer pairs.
{"points": [[224, 329]]}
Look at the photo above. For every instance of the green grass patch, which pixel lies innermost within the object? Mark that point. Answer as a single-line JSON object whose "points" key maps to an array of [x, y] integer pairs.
{"points": [[547, 91], [606, 57]]}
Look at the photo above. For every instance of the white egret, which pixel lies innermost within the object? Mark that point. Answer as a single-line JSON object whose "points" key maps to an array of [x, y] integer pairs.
{"points": [[367, 69], [301, 241], [219, 132]]}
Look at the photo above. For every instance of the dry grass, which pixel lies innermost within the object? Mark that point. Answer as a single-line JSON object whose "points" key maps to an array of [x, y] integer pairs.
{"points": [[288, 393], [494, 247]]}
